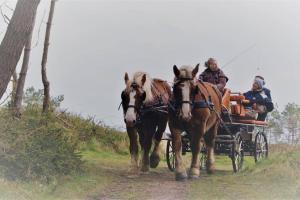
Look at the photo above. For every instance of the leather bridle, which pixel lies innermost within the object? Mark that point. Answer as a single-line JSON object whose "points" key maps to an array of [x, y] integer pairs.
{"points": [[179, 81], [133, 86]]}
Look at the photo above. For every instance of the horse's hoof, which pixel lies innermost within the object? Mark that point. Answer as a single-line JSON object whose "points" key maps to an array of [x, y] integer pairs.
{"points": [[211, 170], [145, 173], [194, 173], [154, 160], [180, 176], [133, 173], [145, 169]]}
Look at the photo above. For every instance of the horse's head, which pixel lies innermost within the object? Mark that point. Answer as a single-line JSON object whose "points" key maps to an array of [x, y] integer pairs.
{"points": [[132, 99], [184, 89]]}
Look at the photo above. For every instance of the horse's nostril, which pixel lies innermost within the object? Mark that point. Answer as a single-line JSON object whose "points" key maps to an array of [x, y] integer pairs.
{"points": [[133, 121], [125, 120]]}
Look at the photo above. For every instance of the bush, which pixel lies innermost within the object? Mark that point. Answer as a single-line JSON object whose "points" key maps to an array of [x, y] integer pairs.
{"points": [[36, 147], [43, 146]]}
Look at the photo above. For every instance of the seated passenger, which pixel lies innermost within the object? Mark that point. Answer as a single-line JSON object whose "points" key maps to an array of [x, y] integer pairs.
{"points": [[260, 99], [214, 75]]}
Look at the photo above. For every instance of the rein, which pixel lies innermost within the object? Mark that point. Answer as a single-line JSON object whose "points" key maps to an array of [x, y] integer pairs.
{"points": [[195, 104], [158, 107]]}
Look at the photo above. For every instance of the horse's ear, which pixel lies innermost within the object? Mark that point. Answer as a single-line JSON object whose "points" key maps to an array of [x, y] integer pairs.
{"points": [[195, 71], [176, 71], [126, 78], [144, 78]]}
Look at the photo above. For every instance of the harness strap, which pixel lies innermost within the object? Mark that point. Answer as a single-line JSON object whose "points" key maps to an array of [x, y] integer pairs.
{"points": [[208, 101], [200, 104], [120, 106], [131, 106]]}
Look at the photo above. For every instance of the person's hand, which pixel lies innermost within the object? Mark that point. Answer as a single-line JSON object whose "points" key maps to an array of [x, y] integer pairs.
{"points": [[253, 101], [254, 106]]}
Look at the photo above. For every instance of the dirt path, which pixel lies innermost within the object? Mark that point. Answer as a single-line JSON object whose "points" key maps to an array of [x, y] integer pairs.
{"points": [[157, 185], [276, 178]]}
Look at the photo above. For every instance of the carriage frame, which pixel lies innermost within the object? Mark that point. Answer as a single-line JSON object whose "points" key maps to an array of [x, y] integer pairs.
{"points": [[235, 140]]}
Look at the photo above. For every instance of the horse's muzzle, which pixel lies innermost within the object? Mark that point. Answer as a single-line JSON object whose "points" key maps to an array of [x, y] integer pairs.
{"points": [[186, 118], [130, 123]]}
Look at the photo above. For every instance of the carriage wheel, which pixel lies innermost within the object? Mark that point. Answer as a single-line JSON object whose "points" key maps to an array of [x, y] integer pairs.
{"points": [[237, 156], [170, 156], [261, 147]]}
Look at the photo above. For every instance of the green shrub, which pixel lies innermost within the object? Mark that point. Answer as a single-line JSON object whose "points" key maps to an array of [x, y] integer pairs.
{"points": [[36, 148], [43, 146]]}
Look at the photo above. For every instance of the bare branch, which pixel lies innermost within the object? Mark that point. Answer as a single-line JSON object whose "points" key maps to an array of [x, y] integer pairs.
{"points": [[7, 6], [5, 18]]}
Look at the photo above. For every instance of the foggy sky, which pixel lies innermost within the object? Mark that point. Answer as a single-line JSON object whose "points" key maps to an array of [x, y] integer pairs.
{"points": [[94, 43]]}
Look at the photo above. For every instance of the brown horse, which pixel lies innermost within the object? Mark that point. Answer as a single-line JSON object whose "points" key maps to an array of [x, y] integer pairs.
{"points": [[145, 109], [196, 110]]}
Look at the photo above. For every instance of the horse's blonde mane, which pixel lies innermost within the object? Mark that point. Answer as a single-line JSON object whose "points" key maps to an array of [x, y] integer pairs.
{"points": [[147, 87]]}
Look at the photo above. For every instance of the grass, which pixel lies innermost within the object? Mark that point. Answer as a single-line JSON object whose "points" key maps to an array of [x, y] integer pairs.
{"points": [[275, 178], [106, 159], [76, 186]]}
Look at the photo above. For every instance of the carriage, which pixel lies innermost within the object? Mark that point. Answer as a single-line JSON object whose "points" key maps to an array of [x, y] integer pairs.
{"points": [[237, 137]]}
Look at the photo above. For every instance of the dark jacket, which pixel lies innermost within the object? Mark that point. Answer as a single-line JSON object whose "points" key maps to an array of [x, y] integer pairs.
{"points": [[217, 78], [260, 97]]}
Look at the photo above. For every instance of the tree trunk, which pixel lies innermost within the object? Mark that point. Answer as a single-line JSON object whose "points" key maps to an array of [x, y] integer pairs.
{"points": [[15, 39], [17, 103], [14, 87], [46, 83]]}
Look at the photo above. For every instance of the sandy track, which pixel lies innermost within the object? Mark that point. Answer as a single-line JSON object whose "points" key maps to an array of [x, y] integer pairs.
{"points": [[157, 185]]}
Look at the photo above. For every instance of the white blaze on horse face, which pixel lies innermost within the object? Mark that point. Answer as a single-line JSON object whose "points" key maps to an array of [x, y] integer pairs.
{"points": [[130, 116], [186, 107]]}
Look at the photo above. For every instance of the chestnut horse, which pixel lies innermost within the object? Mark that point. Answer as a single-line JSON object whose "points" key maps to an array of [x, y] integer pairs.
{"points": [[145, 106], [196, 110]]}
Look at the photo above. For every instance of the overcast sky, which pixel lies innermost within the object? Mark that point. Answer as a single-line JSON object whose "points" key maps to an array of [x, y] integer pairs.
{"points": [[94, 43]]}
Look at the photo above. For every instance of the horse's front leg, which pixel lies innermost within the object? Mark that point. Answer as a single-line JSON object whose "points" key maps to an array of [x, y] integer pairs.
{"points": [[148, 133], [210, 144], [134, 151], [196, 135], [155, 156], [180, 171]]}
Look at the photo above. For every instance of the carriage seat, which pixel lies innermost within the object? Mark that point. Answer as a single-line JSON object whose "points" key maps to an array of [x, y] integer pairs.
{"points": [[249, 121], [237, 105], [238, 111]]}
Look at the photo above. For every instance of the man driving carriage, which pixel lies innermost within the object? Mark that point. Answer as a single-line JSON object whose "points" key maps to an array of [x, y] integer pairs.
{"points": [[214, 75], [260, 99]]}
